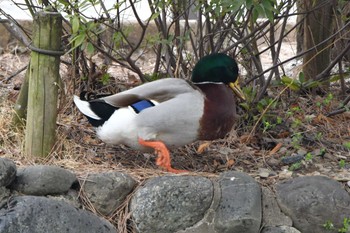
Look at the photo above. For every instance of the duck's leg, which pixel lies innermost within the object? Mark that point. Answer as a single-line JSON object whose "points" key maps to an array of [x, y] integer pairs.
{"points": [[162, 151]]}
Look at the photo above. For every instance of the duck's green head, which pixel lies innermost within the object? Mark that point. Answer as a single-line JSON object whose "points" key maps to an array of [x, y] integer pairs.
{"points": [[217, 68]]}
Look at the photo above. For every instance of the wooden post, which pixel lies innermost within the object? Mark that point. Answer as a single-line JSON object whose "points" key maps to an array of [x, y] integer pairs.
{"points": [[21, 105], [43, 84]]}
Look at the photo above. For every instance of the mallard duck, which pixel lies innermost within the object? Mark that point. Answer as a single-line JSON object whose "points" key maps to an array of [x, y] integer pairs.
{"points": [[169, 112]]}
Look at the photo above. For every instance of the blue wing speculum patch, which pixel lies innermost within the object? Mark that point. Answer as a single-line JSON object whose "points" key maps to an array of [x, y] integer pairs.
{"points": [[142, 105]]}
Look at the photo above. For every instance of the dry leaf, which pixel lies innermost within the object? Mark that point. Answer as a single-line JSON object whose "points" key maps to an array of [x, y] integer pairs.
{"points": [[230, 163], [283, 134], [246, 138], [202, 147], [276, 148]]}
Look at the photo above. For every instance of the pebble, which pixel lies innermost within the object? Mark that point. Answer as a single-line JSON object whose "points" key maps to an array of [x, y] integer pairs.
{"points": [[292, 159], [264, 173]]}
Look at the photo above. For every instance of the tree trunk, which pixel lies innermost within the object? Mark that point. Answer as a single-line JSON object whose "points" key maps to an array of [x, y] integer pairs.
{"points": [[318, 26]]}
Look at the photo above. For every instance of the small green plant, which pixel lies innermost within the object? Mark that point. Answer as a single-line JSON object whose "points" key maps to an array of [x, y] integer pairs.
{"points": [[260, 111], [322, 152], [342, 163], [105, 78], [293, 110], [296, 123], [308, 157], [347, 145], [267, 126], [328, 99], [325, 102], [346, 226], [296, 140], [328, 225], [295, 166], [319, 136]]}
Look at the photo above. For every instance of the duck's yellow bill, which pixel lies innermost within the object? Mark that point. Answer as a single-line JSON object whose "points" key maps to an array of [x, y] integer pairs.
{"points": [[237, 90]]}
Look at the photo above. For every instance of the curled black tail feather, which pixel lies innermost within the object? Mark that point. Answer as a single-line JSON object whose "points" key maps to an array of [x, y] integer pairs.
{"points": [[102, 109], [87, 96]]}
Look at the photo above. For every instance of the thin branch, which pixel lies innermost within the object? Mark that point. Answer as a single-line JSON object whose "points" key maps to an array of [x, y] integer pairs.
{"points": [[298, 55]]}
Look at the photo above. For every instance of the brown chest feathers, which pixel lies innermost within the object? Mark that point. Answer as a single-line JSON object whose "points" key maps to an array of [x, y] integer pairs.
{"points": [[219, 111]]}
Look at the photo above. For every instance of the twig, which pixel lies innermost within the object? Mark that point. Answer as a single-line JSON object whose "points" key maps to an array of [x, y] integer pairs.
{"points": [[16, 73], [298, 55], [341, 109]]}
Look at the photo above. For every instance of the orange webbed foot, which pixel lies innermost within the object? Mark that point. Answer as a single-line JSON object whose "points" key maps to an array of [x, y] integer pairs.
{"points": [[162, 151]]}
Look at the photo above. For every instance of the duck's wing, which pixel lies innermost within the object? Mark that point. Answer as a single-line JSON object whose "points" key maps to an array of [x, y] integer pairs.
{"points": [[158, 91], [99, 110]]}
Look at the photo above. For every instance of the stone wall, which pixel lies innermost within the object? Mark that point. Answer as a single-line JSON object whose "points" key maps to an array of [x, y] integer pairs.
{"points": [[45, 198]]}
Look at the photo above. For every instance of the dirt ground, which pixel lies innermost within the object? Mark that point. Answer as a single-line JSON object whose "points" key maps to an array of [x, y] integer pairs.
{"points": [[298, 128]]}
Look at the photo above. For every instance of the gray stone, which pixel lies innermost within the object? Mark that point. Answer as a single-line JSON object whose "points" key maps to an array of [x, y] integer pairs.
{"points": [[239, 209], [311, 201], [206, 224], [71, 197], [7, 171], [280, 229], [292, 159], [271, 212], [171, 203], [28, 214], [106, 191], [43, 180], [4, 195]]}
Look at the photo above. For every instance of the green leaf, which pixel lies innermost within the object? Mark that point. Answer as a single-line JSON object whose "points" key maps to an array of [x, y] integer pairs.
{"points": [[255, 14], [249, 3], [260, 10], [301, 77], [291, 83], [312, 84], [269, 10], [90, 49], [79, 39], [155, 15], [75, 24], [245, 105]]}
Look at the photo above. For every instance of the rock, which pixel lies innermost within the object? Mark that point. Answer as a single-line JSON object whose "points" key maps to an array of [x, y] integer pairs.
{"points": [[341, 175], [264, 172], [273, 162], [302, 152], [4, 195], [285, 174], [106, 191], [311, 201], [171, 203], [27, 214], [239, 209], [7, 172], [71, 197], [292, 159], [280, 229], [271, 212], [43, 180]]}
